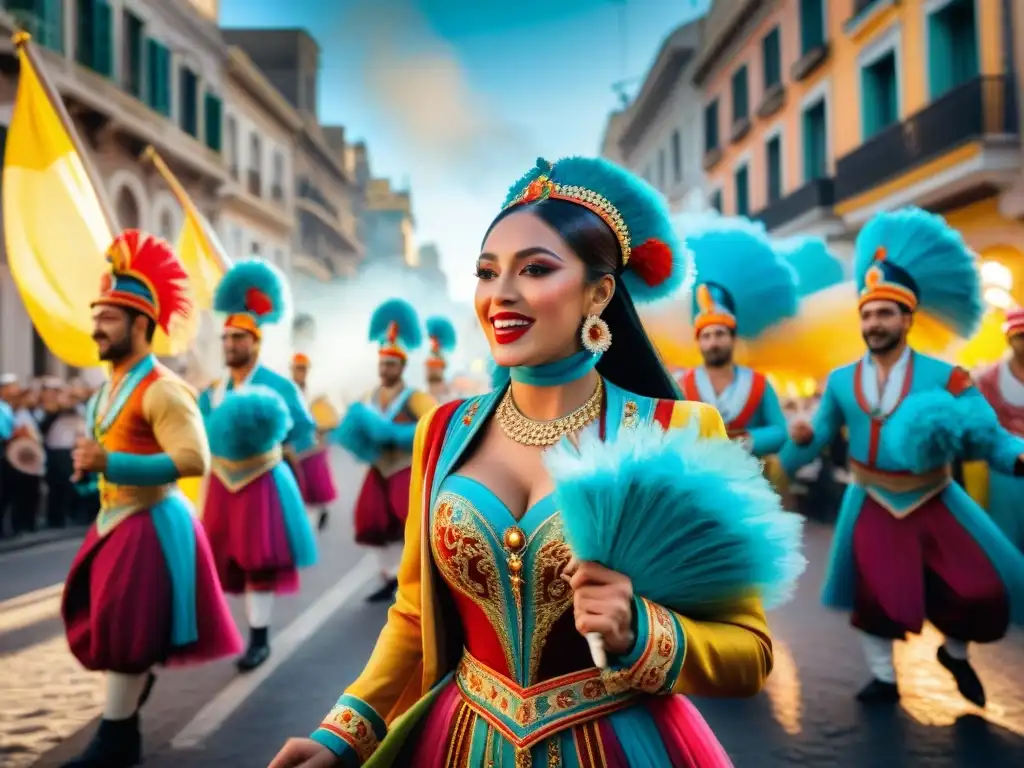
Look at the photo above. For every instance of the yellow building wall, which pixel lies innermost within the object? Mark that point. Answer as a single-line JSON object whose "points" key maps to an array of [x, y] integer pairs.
{"points": [[787, 17], [914, 88]]}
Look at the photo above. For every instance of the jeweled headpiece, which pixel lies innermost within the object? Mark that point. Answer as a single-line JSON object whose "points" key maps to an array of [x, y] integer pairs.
{"points": [[145, 275], [653, 261]]}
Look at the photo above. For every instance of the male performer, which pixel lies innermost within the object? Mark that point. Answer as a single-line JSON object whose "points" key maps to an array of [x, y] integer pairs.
{"points": [[442, 341], [911, 545], [391, 411], [251, 505], [318, 489], [742, 288], [1002, 385], [143, 589]]}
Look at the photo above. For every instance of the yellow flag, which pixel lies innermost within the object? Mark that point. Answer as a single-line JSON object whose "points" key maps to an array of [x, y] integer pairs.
{"points": [[54, 226]]}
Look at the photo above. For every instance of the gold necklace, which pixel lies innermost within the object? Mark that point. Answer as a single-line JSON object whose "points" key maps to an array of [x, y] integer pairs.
{"points": [[526, 431]]}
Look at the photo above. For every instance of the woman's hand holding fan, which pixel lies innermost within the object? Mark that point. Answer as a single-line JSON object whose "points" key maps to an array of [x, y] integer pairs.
{"points": [[692, 523]]}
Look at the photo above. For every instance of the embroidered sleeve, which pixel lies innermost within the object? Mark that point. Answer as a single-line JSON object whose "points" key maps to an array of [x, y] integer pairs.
{"points": [[395, 666], [172, 412]]}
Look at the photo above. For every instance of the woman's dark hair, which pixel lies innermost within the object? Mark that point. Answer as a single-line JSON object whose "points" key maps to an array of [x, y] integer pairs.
{"points": [[632, 362]]}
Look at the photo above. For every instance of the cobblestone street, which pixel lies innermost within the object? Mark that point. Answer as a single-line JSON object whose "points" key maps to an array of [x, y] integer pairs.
{"points": [[806, 716]]}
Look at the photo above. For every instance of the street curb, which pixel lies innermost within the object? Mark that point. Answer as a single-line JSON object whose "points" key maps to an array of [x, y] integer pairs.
{"points": [[43, 537]]}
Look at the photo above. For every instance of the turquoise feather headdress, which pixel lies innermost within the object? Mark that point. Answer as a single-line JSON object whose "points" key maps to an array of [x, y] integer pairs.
{"points": [[442, 339], [252, 294], [815, 266], [654, 263], [395, 325], [741, 281], [914, 258]]}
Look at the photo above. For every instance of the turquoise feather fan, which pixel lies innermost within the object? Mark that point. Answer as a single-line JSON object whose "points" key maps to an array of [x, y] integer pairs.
{"points": [[362, 432], [935, 256], [692, 522], [815, 266], [735, 254], [401, 315], [250, 422], [253, 286]]}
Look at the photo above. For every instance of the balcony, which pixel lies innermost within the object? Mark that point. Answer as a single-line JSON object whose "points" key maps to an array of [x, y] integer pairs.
{"points": [[984, 109], [814, 196], [308, 192]]}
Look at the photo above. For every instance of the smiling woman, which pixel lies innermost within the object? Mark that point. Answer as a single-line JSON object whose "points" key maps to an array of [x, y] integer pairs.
{"points": [[486, 658]]}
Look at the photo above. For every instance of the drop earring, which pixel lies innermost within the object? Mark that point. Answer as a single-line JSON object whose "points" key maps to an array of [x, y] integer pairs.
{"points": [[595, 335]]}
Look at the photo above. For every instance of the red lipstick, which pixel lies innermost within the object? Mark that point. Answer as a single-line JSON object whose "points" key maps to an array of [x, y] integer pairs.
{"points": [[510, 326]]}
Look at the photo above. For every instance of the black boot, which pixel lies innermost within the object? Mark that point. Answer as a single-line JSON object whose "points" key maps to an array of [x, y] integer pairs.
{"points": [[117, 744], [257, 652], [879, 692], [967, 681], [386, 593], [322, 524], [147, 689]]}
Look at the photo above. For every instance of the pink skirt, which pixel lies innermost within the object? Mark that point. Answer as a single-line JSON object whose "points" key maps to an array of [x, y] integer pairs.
{"points": [[663, 731], [248, 537], [382, 507], [117, 603], [317, 480]]}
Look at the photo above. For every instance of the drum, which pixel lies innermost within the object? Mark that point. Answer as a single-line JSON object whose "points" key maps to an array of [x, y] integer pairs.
{"points": [[27, 456], [325, 415]]}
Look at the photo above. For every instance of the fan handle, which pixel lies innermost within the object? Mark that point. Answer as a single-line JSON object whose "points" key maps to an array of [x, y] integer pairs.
{"points": [[597, 651]]}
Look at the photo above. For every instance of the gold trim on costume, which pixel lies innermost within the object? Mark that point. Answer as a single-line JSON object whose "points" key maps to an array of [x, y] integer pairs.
{"points": [[236, 475], [354, 729], [929, 484], [650, 673]]}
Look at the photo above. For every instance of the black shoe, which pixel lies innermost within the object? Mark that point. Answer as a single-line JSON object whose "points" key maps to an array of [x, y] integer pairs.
{"points": [[967, 681], [257, 652], [385, 594], [879, 692], [116, 744], [322, 524], [147, 689]]}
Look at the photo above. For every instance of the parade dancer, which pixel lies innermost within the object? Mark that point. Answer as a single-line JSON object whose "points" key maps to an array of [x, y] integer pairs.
{"points": [[441, 333], [483, 660], [383, 502], [1002, 385], [143, 588], [742, 288], [910, 545], [314, 466], [253, 510]]}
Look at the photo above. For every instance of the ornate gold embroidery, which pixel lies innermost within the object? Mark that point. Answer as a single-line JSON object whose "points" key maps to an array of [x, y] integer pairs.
{"points": [[468, 563], [470, 413], [554, 754], [514, 542], [629, 414], [551, 595], [650, 673], [347, 724]]}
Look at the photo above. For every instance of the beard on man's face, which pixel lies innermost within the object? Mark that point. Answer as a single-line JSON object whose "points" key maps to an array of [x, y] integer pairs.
{"points": [[716, 357], [112, 350], [237, 358], [880, 340]]}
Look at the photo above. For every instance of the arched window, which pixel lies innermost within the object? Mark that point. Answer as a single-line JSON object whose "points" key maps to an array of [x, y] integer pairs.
{"points": [[127, 209]]}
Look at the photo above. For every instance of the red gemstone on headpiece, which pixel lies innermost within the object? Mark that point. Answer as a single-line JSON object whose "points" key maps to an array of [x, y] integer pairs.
{"points": [[652, 262]]}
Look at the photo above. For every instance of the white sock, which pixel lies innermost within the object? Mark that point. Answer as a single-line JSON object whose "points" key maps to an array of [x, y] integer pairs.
{"points": [[123, 693], [258, 607], [878, 653], [956, 648], [388, 558]]}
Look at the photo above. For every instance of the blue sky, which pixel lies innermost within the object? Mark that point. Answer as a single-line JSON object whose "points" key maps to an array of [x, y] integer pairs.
{"points": [[458, 98]]}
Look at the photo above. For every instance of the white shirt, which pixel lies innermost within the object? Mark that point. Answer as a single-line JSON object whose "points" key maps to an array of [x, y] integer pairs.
{"points": [[885, 402]]}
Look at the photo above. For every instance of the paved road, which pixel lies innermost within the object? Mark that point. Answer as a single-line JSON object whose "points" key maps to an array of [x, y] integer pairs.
{"points": [[805, 717]]}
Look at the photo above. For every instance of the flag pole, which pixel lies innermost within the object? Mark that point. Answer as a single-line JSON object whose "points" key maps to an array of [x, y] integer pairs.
{"points": [[21, 41], [149, 154]]}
